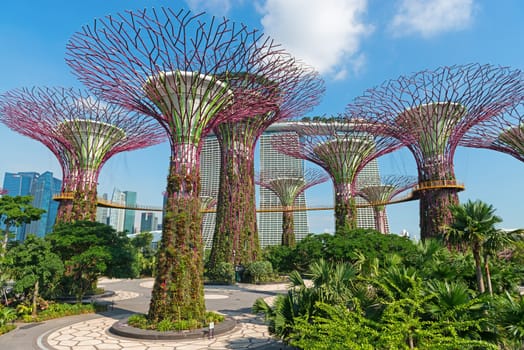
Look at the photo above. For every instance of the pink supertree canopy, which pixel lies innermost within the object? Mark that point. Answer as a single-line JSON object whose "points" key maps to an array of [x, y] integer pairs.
{"points": [[380, 194], [342, 150], [429, 112], [82, 132], [287, 188], [503, 133]]}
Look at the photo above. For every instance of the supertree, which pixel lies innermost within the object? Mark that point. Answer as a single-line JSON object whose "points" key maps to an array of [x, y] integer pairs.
{"points": [[378, 195], [342, 150], [189, 75], [235, 239], [503, 133], [82, 132], [429, 112], [287, 188]]}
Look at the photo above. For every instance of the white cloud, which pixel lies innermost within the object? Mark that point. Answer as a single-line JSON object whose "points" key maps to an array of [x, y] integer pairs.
{"points": [[214, 7], [431, 17], [325, 34]]}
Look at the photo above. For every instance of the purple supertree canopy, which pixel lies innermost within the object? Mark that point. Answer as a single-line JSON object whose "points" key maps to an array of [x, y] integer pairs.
{"points": [[81, 131], [429, 112], [177, 68], [289, 186], [390, 186], [380, 194], [503, 133], [340, 148]]}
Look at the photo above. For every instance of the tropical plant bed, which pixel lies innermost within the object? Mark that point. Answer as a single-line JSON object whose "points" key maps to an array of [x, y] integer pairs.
{"points": [[7, 328], [129, 328], [63, 310]]}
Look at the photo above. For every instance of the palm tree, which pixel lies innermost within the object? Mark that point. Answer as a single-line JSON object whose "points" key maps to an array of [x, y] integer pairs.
{"points": [[494, 243], [473, 223]]}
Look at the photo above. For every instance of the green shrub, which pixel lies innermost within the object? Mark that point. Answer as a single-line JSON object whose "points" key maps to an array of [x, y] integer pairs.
{"points": [[56, 310], [259, 271], [140, 321], [281, 258], [7, 315], [165, 325], [6, 328], [223, 272], [214, 317]]}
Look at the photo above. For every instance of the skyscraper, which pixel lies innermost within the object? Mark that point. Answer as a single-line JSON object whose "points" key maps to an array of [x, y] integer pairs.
{"points": [[102, 213], [209, 180], [269, 223], [148, 222], [116, 216], [45, 186], [129, 215], [369, 175], [42, 188]]}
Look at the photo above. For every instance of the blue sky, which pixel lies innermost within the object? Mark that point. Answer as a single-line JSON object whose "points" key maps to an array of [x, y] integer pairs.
{"points": [[354, 44]]}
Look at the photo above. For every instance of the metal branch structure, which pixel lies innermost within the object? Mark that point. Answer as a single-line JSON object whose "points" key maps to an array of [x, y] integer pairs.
{"points": [[342, 150], [288, 188], [189, 72], [378, 195], [82, 132], [429, 112], [503, 133], [294, 88]]}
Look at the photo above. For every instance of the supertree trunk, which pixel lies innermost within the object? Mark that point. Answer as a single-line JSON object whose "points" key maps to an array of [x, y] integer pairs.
{"points": [[345, 208], [178, 291], [288, 227], [380, 218], [236, 237]]}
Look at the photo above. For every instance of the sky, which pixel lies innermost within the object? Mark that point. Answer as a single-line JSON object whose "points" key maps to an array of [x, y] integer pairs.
{"points": [[354, 44]]}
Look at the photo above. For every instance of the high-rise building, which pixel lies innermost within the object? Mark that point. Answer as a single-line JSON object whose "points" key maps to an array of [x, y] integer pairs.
{"points": [[116, 216], [369, 175], [44, 188], [148, 222], [129, 215], [209, 181], [270, 223], [102, 213]]}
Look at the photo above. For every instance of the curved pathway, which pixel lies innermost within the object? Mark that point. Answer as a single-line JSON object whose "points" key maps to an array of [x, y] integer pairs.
{"points": [[90, 332]]}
